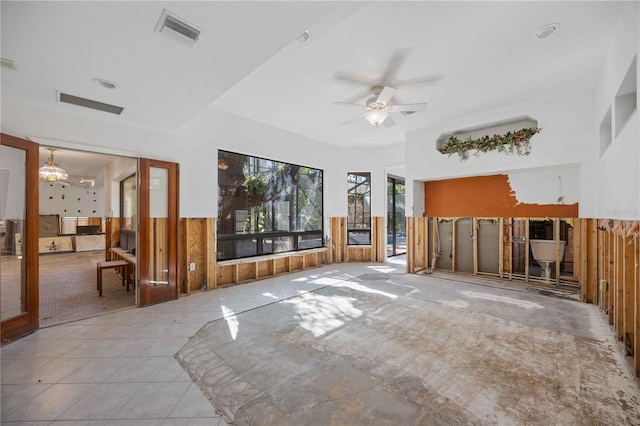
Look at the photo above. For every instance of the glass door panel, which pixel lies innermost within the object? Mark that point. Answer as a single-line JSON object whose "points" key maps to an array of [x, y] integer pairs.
{"points": [[158, 238], [18, 237], [13, 285], [396, 223], [158, 212]]}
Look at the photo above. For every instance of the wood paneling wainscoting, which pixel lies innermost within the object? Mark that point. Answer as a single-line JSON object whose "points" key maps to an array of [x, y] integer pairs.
{"points": [[495, 247], [196, 238], [339, 251], [614, 280], [604, 257]]}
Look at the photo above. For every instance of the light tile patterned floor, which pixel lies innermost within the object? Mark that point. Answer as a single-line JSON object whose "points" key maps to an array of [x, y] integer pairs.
{"points": [[67, 287], [119, 368]]}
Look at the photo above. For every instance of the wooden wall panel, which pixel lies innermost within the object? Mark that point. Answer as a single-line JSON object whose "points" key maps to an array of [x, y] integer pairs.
{"points": [[379, 239], [412, 247], [112, 235], [196, 252], [281, 266], [182, 256], [636, 323], [619, 287], [211, 255], [338, 239], [617, 270], [628, 291], [418, 250]]}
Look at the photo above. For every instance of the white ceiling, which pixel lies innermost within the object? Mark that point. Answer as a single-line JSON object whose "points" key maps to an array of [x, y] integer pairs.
{"points": [[249, 63], [80, 165]]}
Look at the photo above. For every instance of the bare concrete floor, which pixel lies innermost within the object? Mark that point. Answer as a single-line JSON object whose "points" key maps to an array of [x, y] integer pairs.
{"points": [[389, 348]]}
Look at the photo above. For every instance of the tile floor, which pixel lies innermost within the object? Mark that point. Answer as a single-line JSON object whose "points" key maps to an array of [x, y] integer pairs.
{"points": [[119, 368], [67, 287]]}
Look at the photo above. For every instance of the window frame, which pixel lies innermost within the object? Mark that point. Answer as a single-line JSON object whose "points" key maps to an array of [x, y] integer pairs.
{"points": [[353, 230], [258, 238]]}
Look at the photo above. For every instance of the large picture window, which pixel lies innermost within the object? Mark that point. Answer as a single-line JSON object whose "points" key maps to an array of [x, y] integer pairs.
{"points": [[359, 208], [266, 206]]}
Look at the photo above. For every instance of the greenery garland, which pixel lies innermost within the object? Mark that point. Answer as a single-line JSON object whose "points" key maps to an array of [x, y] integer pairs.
{"points": [[510, 143]]}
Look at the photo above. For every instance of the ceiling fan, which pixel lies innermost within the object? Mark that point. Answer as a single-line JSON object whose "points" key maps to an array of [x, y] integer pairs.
{"points": [[376, 110]]}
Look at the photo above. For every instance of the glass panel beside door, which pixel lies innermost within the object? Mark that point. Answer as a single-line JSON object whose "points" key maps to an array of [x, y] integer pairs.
{"points": [[13, 285], [18, 237], [158, 236], [159, 227], [396, 223]]}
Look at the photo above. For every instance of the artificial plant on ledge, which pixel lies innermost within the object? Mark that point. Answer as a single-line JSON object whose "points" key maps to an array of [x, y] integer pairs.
{"points": [[511, 143]]}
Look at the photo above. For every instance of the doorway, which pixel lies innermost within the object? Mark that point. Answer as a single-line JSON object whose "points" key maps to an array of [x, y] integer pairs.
{"points": [[85, 223], [78, 227], [396, 224]]}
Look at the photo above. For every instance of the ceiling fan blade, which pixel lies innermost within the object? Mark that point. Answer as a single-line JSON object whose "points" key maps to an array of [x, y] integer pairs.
{"points": [[388, 122], [393, 66], [353, 78], [355, 118], [386, 95], [355, 98], [348, 104], [417, 81], [407, 107]]}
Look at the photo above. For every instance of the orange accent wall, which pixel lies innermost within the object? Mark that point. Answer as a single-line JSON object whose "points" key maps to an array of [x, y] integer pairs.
{"points": [[484, 196]]}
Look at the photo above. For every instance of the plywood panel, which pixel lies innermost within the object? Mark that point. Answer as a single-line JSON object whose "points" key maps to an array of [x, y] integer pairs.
{"points": [[211, 256], [417, 243], [225, 274], [430, 242], [379, 239], [338, 239], [265, 268], [619, 287], [590, 260], [246, 272], [628, 291], [196, 252], [488, 196], [183, 275], [281, 265], [296, 263], [636, 325], [411, 245]]}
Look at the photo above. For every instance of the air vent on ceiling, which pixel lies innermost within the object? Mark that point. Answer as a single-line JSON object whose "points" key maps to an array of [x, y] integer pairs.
{"points": [[172, 22], [88, 103]]}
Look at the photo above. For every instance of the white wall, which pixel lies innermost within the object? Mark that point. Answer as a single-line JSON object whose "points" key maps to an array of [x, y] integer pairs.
{"points": [[120, 169], [77, 201], [567, 139], [12, 183], [618, 184], [375, 160], [213, 129], [560, 185]]}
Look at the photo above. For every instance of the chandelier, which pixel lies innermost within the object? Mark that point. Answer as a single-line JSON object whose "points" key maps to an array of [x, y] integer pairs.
{"points": [[50, 172]]}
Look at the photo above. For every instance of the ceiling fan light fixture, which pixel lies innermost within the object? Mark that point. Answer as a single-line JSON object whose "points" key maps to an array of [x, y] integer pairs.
{"points": [[376, 117], [50, 172]]}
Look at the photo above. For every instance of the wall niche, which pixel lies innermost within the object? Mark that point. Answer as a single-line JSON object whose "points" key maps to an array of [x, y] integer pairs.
{"points": [[500, 127], [626, 97]]}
